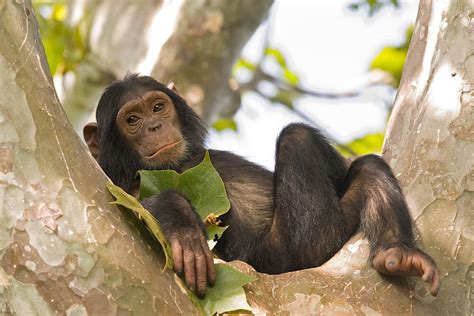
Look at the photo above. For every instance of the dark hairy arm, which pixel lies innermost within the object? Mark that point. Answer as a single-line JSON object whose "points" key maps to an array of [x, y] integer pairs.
{"points": [[185, 232]]}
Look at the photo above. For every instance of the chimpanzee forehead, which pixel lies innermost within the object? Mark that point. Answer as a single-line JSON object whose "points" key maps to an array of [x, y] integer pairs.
{"points": [[134, 101], [136, 93]]}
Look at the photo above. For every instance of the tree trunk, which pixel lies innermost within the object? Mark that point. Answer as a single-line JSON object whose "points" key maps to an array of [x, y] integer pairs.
{"points": [[63, 247], [430, 143]]}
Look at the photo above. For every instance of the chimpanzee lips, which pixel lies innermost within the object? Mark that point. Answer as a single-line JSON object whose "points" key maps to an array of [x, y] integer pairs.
{"points": [[163, 148]]}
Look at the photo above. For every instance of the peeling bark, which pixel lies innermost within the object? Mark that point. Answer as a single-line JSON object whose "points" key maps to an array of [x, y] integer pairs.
{"points": [[63, 247]]}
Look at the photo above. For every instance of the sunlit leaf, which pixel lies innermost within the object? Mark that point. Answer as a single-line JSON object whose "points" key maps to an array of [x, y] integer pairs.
{"points": [[370, 143], [126, 200], [391, 60], [244, 63], [284, 97], [201, 185], [59, 12], [277, 55], [227, 294], [223, 124], [373, 6], [64, 44], [291, 77]]}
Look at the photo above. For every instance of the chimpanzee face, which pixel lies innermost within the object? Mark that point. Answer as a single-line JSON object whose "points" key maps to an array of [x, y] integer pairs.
{"points": [[149, 123]]}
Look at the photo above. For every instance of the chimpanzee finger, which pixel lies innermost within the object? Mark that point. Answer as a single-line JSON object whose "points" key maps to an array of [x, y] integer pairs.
{"points": [[430, 274], [211, 272], [200, 264], [189, 270], [435, 281], [177, 252]]}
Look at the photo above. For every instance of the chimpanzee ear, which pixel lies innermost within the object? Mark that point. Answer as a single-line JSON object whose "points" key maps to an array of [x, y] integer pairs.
{"points": [[173, 88], [90, 136]]}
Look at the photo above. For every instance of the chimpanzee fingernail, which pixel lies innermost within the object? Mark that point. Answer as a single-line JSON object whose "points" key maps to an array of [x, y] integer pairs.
{"points": [[391, 263]]}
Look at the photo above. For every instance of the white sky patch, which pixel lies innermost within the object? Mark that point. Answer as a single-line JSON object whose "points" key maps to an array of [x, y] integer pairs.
{"points": [[164, 21]]}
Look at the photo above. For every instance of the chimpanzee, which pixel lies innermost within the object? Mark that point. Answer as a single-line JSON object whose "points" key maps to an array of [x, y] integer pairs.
{"points": [[294, 218]]}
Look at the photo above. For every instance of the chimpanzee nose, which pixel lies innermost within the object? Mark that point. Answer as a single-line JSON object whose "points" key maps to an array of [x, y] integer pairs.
{"points": [[154, 127]]}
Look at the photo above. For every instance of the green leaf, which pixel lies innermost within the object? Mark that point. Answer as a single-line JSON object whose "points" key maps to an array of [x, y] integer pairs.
{"points": [[223, 124], [227, 293], [244, 63], [201, 185], [277, 55], [214, 233], [370, 143], [291, 77], [391, 60], [126, 200], [284, 97]]}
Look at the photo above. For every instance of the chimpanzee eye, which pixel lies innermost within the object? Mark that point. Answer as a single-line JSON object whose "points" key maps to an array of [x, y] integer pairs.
{"points": [[158, 107], [132, 119]]}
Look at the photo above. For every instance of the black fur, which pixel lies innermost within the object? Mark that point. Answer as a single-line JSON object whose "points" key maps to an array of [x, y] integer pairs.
{"points": [[295, 218]]}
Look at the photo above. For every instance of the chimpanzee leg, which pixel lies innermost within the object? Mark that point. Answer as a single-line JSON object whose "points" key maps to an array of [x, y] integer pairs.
{"points": [[373, 191], [319, 203], [308, 225]]}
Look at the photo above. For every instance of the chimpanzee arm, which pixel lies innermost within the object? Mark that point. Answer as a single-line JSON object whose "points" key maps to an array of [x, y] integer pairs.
{"points": [[186, 233]]}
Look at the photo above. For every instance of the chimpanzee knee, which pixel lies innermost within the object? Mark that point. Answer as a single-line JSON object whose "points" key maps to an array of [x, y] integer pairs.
{"points": [[371, 166], [303, 150], [298, 138]]}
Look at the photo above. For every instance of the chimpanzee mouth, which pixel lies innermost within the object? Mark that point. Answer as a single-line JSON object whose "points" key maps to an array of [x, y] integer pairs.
{"points": [[161, 149]]}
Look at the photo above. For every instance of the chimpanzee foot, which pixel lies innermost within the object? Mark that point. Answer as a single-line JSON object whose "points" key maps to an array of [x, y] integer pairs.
{"points": [[405, 261]]}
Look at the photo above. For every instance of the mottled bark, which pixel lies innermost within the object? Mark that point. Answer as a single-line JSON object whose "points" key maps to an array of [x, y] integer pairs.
{"points": [[63, 248], [430, 143]]}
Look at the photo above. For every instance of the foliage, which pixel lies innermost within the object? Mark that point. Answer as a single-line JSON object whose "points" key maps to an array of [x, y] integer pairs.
{"points": [[201, 185], [64, 44], [289, 76], [370, 143], [392, 58], [205, 190], [126, 200], [225, 123], [373, 6], [227, 294], [284, 80]]}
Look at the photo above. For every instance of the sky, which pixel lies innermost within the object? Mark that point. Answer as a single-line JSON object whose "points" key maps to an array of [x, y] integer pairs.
{"points": [[330, 48]]}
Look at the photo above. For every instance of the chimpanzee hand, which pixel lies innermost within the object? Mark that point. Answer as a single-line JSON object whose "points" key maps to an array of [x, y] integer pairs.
{"points": [[186, 233], [192, 256]]}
